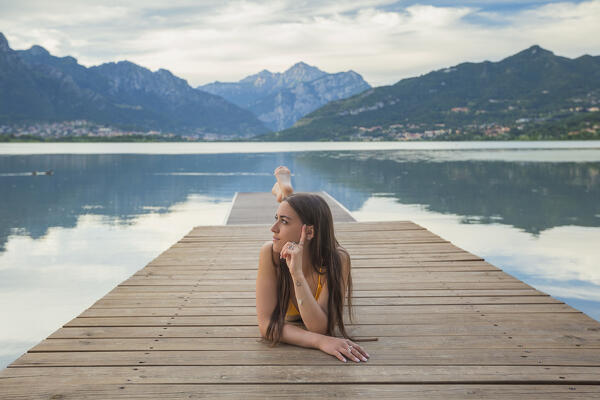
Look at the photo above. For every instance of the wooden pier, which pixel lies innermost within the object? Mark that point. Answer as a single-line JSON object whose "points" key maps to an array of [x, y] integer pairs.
{"points": [[450, 326]]}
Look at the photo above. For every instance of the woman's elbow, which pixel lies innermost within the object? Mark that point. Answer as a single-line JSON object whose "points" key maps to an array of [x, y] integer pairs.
{"points": [[318, 329], [320, 325], [262, 328], [321, 331]]}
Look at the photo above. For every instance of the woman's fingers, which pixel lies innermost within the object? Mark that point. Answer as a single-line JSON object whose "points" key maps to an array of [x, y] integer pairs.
{"points": [[359, 354], [348, 351], [340, 356], [345, 350], [303, 235], [289, 249], [360, 350], [285, 251], [355, 352]]}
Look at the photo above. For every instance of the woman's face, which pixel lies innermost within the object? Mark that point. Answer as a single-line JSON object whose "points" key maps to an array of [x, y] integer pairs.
{"points": [[287, 227]]}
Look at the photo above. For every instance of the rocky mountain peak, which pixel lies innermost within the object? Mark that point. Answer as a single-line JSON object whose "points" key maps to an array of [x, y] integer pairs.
{"points": [[4, 43], [533, 52], [128, 76], [302, 72], [301, 66], [164, 72], [279, 99], [38, 51], [70, 60], [127, 66], [260, 78], [536, 48]]}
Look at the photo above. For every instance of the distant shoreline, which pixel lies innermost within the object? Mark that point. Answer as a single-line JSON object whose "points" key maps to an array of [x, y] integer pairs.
{"points": [[154, 139], [579, 151]]}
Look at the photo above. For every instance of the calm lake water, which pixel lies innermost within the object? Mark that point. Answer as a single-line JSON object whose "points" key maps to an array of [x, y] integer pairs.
{"points": [[532, 209]]}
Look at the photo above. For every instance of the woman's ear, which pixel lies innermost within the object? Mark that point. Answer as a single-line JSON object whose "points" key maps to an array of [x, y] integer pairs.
{"points": [[310, 231]]}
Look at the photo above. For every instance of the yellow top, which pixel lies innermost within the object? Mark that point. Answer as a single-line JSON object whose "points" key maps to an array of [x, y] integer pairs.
{"points": [[292, 311]]}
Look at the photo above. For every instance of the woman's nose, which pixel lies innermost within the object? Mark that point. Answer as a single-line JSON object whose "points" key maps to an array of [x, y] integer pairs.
{"points": [[274, 228]]}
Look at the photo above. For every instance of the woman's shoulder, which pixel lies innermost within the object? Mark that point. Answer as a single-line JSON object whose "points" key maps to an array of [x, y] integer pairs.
{"points": [[345, 259], [266, 246], [267, 249], [343, 253], [266, 253]]}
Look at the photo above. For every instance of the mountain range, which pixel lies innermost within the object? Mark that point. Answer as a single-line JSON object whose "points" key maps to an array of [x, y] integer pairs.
{"points": [[533, 94], [280, 99], [37, 86], [531, 87]]}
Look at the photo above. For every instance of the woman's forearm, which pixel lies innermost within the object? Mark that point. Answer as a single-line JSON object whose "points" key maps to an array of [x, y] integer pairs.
{"points": [[293, 334], [313, 316]]}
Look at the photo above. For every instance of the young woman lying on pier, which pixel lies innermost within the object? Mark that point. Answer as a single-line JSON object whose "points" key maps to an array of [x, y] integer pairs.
{"points": [[303, 258]]}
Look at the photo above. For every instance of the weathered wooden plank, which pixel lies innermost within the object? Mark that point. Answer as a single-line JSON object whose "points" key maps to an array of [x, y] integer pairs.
{"points": [[492, 341], [514, 327], [380, 355], [430, 257], [357, 266], [382, 279], [423, 276], [388, 288], [251, 263], [339, 373], [124, 293], [249, 270], [388, 251], [376, 226], [193, 258], [348, 226], [390, 318], [262, 232], [49, 390], [252, 273], [182, 301], [252, 244], [362, 311]]}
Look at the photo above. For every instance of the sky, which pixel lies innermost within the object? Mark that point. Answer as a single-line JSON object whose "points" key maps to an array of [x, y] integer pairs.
{"points": [[384, 41]]}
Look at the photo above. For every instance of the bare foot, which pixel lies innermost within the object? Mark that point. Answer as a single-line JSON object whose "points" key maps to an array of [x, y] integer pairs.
{"points": [[283, 187]]}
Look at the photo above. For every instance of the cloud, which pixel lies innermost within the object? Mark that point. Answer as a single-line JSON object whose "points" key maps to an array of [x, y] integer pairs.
{"points": [[383, 40]]}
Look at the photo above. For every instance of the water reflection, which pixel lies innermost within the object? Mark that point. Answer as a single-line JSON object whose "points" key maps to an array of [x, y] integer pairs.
{"points": [[122, 187], [533, 196]]}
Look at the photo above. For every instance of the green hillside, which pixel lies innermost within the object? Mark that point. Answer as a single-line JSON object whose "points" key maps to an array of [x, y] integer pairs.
{"points": [[522, 93]]}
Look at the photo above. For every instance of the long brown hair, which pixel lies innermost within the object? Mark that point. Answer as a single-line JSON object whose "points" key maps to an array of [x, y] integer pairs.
{"points": [[324, 251]]}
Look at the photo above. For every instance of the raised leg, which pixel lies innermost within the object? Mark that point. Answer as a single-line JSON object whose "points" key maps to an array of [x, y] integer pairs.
{"points": [[283, 187]]}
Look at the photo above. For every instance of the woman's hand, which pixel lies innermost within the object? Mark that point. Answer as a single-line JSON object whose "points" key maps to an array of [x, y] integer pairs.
{"points": [[342, 348], [292, 253]]}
